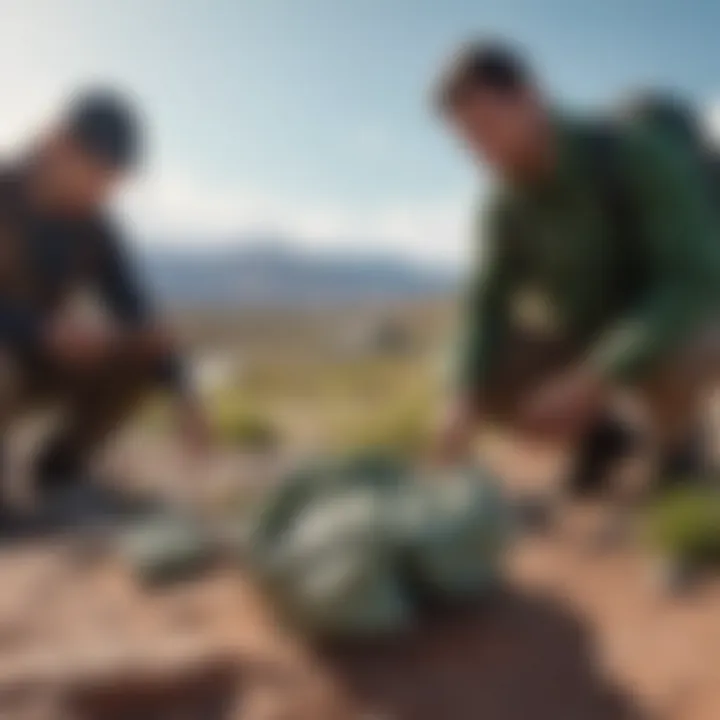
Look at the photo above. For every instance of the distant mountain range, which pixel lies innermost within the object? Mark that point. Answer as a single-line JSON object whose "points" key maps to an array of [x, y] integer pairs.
{"points": [[276, 275]]}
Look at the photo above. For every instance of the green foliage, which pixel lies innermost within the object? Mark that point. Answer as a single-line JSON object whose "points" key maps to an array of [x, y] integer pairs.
{"points": [[686, 525]]}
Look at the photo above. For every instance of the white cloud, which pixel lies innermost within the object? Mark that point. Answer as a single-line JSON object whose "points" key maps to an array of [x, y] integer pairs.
{"points": [[174, 208], [177, 206], [35, 65]]}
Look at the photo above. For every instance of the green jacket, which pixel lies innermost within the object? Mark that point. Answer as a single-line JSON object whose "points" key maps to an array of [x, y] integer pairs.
{"points": [[553, 259]]}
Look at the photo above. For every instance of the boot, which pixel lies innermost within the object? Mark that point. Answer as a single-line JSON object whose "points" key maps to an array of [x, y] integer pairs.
{"points": [[608, 442], [58, 467]]}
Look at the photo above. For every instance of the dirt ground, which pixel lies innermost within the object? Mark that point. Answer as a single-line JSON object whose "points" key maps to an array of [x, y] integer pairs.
{"points": [[577, 635]]}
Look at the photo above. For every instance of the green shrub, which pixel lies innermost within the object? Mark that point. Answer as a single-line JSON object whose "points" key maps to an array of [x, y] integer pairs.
{"points": [[243, 427], [233, 422], [686, 526], [404, 429]]}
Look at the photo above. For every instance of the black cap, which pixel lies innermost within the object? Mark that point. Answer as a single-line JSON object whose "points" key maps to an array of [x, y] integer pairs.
{"points": [[486, 63], [106, 125]]}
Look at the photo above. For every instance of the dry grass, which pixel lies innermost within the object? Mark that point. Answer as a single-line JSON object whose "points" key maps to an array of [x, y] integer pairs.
{"points": [[297, 380], [686, 526]]}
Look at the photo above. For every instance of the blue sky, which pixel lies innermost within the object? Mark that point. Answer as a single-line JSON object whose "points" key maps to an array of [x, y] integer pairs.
{"points": [[308, 118]]}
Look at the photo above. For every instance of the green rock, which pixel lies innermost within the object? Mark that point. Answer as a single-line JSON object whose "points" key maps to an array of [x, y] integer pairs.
{"points": [[331, 569], [342, 546], [455, 530]]}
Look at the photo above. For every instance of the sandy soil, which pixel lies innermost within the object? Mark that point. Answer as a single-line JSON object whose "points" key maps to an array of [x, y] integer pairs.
{"points": [[577, 635]]}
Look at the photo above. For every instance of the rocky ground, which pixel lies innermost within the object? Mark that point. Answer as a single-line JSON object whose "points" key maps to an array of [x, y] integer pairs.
{"points": [[577, 635]]}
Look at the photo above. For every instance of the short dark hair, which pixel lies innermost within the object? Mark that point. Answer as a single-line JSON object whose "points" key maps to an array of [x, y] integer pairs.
{"points": [[481, 65], [106, 125]]}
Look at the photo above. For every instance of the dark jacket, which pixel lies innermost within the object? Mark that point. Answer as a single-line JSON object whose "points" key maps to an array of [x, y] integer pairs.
{"points": [[554, 259], [44, 259]]}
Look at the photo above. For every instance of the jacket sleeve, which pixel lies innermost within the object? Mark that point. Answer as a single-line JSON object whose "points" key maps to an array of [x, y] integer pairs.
{"points": [[20, 324], [484, 309], [680, 241], [20, 328], [124, 294], [119, 281]]}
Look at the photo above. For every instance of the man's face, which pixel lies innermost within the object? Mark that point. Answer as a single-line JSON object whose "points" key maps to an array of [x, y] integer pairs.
{"points": [[82, 183], [502, 129]]}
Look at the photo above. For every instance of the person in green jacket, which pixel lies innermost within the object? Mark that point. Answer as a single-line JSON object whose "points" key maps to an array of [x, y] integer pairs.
{"points": [[570, 302]]}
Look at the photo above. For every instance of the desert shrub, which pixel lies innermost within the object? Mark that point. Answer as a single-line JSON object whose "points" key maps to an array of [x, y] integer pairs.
{"points": [[233, 422], [686, 525], [241, 426], [402, 427]]}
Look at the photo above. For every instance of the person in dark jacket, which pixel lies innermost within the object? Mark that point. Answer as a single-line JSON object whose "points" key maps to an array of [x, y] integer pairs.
{"points": [[58, 245], [574, 301]]}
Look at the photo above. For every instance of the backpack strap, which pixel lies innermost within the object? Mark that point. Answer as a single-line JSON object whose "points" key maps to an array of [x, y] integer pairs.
{"points": [[618, 201], [605, 156]]}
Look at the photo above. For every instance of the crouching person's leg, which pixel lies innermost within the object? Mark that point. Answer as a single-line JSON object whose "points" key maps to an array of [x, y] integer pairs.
{"points": [[96, 403]]}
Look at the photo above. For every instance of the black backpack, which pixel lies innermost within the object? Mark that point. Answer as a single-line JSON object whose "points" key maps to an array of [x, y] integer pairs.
{"points": [[669, 114], [666, 112]]}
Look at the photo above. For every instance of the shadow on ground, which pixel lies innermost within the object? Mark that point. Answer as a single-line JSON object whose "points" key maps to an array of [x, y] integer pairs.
{"points": [[87, 507], [520, 658], [208, 693]]}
